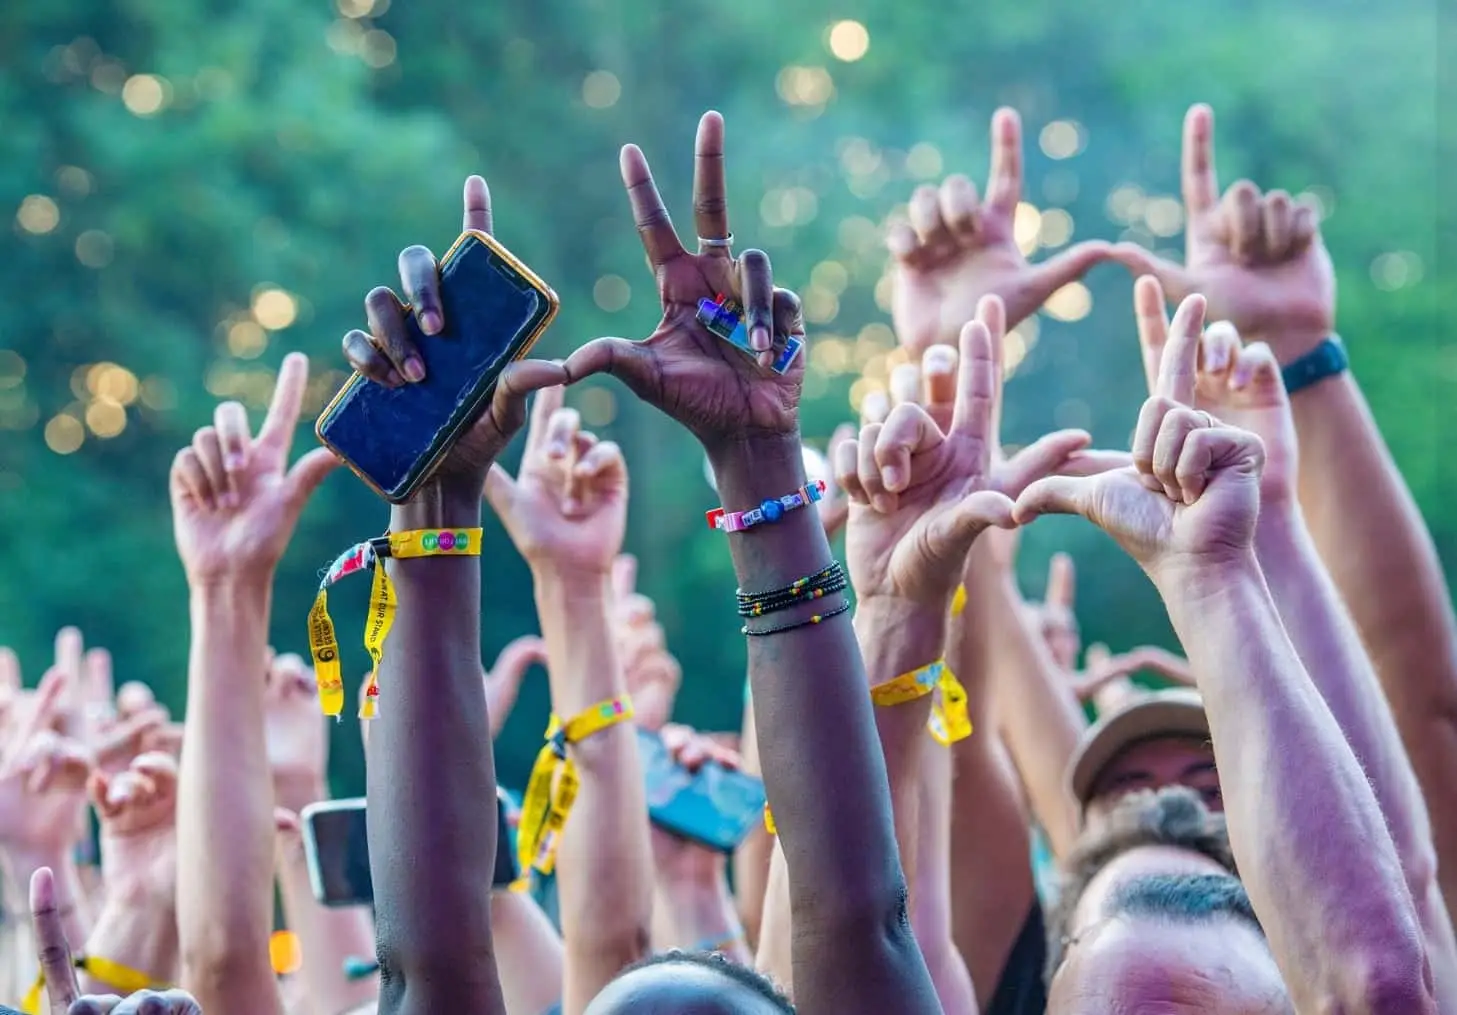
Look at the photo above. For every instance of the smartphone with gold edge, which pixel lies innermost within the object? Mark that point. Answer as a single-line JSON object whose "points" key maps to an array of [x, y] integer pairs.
{"points": [[495, 310]]}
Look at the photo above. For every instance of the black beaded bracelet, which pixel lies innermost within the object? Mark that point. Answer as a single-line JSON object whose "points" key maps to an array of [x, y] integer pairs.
{"points": [[810, 621], [816, 586]]}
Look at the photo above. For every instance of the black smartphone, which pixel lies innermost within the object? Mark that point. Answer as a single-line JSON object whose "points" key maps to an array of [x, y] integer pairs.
{"points": [[714, 806], [336, 847], [495, 310]]}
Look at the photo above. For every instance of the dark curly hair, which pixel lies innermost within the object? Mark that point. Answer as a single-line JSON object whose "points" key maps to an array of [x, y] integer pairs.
{"points": [[754, 980], [1171, 816]]}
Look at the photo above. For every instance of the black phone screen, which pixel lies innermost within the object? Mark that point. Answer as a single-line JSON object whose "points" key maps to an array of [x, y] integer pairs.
{"points": [[714, 806], [339, 843], [506, 868], [393, 435]]}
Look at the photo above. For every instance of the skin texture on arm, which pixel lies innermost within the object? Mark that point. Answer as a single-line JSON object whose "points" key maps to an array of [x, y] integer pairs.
{"points": [[234, 505], [566, 513], [528, 953], [931, 895], [853, 947], [752, 858], [1260, 261], [1312, 846]]}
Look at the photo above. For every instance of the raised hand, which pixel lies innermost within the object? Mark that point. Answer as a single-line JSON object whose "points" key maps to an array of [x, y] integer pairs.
{"points": [[1192, 494], [700, 380], [682, 865], [296, 735], [957, 249], [386, 355], [834, 507], [42, 777], [138, 812], [235, 501], [503, 680], [1055, 617], [649, 671], [568, 506], [921, 495], [1258, 259]]}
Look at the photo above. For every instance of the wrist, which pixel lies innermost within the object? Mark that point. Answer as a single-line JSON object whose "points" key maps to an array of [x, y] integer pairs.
{"points": [[898, 635], [1289, 346], [746, 470], [232, 586], [1186, 582], [438, 505]]}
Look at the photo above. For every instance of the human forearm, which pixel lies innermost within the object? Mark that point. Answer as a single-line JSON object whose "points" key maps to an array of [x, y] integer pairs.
{"points": [[1312, 613], [1380, 555], [604, 871], [701, 917], [432, 790], [134, 931], [327, 937], [1311, 843], [225, 805], [1039, 718], [931, 885], [529, 953], [751, 859]]}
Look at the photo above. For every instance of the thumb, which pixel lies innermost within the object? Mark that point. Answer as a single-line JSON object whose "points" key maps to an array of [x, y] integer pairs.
{"points": [[498, 490], [1054, 495], [1067, 266], [951, 535], [1172, 277], [308, 472]]}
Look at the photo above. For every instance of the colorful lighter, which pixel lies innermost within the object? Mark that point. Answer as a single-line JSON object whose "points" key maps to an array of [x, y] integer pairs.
{"points": [[724, 319]]}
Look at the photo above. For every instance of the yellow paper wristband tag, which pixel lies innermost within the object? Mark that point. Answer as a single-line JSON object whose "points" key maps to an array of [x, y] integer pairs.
{"points": [[769, 825], [125, 979], [324, 643], [949, 720], [908, 686], [958, 601], [552, 788]]}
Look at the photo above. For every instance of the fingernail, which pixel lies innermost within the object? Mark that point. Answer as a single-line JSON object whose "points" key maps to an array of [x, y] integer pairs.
{"points": [[892, 477], [431, 322], [414, 370], [759, 339]]}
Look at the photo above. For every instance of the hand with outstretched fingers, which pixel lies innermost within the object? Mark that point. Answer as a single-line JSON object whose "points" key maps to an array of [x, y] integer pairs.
{"points": [[1191, 496], [567, 506], [1257, 259], [42, 777], [1055, 617], [715, 390], [235, 500], [958, 248], [386, 354]]}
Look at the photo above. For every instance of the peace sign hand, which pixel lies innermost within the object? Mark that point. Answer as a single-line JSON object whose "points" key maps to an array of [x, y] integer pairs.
{"points": [[1258, 259], [1191, 496], [957, 249], [235, 501], [712, 388], [920, 495]]}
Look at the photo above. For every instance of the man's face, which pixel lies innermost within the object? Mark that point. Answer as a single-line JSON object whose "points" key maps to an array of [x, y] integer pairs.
{"points": [[1154, 764], [1145, 964]]}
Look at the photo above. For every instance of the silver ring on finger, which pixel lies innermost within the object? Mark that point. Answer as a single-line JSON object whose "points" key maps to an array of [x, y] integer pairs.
{"points": [[706, 243]]}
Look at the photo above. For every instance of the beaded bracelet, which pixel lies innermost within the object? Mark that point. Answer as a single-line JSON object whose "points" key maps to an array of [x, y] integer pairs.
{"points": [[802, 590], [771, 510], [810, 621]]}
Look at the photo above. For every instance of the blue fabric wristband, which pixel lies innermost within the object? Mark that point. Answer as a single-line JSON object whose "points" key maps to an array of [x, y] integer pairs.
{"points": [[1326, 360]]}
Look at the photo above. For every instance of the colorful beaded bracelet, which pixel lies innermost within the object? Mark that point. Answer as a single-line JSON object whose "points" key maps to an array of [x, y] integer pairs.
{"points": [[771, 510]]}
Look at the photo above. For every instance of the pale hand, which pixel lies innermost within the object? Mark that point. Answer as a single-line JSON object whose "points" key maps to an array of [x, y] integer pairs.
{"points": [[503, 682], [1258, 260], [568, 507], [295, 733], [42, 778], [235, 501], [138, 813], [957, 250], [677, 862], [1191, 496], [720, 394], [651, 674]]}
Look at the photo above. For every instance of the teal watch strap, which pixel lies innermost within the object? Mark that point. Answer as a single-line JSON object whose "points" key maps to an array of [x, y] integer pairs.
{"points": [[1325, 360]]}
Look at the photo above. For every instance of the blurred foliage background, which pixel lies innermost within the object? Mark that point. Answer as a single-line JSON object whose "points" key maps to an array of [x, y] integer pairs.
{"points": [[197, 186]]}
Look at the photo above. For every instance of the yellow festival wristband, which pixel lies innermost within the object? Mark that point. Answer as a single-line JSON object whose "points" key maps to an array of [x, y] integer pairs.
{"points": [[324, 646], [552, 789], [125, 979]]}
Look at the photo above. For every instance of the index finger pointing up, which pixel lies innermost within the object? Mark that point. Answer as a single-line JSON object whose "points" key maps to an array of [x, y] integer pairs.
{"points": [[1004, 185], [1061, 582], [648, 211], [975, 385], [1201, 187], [1179, 369]]}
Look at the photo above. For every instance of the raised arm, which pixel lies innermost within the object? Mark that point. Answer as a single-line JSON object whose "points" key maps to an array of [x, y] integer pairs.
{"points": [[1326, 883], [567, 512], [853, 948], [1242, 385], [432, 780], [235, 503], [1262, 264]]}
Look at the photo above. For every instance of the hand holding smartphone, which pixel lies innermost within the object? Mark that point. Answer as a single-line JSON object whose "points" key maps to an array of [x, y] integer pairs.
{"points": [[426, 370], [714, 806]]}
